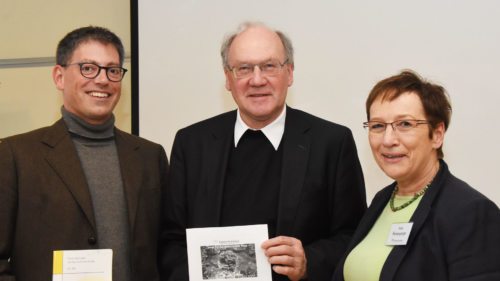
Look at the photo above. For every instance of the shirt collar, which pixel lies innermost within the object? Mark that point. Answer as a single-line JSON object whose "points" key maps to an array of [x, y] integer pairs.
{"points": [[273, 132], [80, 127]]}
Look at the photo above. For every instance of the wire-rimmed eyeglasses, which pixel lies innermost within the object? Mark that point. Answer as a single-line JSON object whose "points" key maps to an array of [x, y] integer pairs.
{"points": [[404, 125], [91, 70], [269, 68]]}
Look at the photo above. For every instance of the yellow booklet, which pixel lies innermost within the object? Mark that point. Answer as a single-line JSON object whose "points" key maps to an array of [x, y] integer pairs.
{"points": [[83, 265]]}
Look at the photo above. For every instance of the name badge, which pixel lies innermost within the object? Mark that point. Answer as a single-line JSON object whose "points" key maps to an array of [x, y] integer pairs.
{"points": [[399, 234]]}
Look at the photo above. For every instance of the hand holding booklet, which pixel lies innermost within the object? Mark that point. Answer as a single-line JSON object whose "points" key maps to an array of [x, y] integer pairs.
{"points": [[228, 253]]}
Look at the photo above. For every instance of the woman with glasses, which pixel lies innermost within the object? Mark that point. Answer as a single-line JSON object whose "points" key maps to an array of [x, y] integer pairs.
{"points": [[428, 224]]}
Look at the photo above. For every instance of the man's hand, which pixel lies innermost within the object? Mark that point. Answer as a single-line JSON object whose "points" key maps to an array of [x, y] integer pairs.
{"points": [[287, 256]]}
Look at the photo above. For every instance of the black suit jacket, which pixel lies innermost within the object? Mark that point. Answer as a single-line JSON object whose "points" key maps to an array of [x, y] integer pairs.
{"points": [[455, 235], [45, 204], [322, 195]]}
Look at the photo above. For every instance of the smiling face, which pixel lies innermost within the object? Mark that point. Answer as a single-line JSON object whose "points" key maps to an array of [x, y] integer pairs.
{"points": [[260, 98], [409, 157], [93, 100]]}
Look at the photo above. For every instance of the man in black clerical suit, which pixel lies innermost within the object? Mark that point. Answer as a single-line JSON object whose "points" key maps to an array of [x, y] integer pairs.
{"points": [[265, 163]]}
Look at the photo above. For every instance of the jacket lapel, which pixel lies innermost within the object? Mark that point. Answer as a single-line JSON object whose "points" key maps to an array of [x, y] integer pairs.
{"points": [[365, 225], [371, 216], [131, 172], [296, 145], [214, 169], [63, 158]]}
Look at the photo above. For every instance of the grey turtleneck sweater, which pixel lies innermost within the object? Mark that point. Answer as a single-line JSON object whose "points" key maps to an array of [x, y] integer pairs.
{"points": [[96, 149]]}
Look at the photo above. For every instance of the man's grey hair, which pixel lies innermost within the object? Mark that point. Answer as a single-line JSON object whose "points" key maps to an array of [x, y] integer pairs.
{"points": [[228, 40]]}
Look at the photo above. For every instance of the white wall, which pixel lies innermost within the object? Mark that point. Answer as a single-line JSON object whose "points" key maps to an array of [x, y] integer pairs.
{"points": [[32, 29], [342, 49]]}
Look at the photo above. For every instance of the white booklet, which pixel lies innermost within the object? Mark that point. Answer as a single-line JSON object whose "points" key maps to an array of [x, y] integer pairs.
{"points": [[228, 253]]}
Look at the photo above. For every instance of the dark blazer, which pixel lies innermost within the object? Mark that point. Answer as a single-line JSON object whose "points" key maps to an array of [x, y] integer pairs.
{"points": [[322, 195], [455, 235], [45, 204]]}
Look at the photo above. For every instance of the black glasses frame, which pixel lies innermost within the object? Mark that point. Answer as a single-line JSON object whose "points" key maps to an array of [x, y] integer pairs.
{"points": [[106, 69]]}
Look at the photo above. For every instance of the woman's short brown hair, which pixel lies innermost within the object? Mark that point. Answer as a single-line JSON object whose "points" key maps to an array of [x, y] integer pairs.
{"points": [[437, 107]]}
